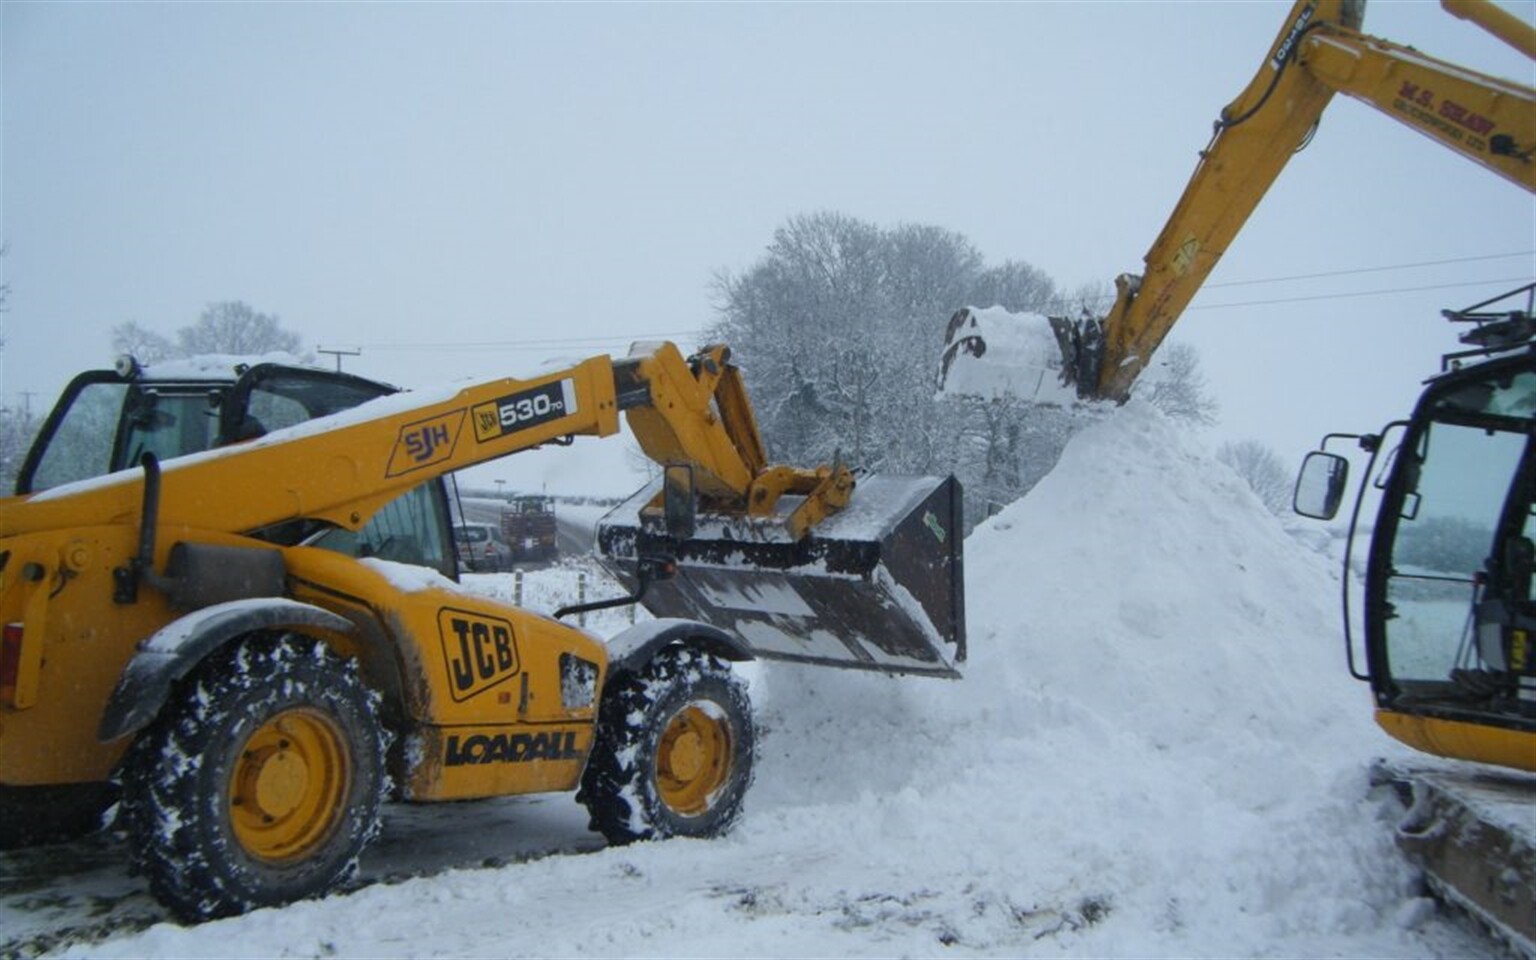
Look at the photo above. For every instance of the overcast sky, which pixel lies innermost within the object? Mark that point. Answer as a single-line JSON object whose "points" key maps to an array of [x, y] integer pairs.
{"points": [[464, 190]]}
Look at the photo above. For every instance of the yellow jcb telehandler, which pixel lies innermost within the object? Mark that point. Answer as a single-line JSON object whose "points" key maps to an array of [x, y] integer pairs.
{"points": [[233, 592]]}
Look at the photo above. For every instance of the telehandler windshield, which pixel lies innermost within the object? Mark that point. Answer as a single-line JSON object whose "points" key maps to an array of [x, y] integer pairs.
{"points": [[106, 421]]}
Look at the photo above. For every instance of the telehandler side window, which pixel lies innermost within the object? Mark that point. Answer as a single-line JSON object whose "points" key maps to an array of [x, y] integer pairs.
{"points": [[413, 528], [166, 423], [81, 440], [105, 425], [271, 396]]}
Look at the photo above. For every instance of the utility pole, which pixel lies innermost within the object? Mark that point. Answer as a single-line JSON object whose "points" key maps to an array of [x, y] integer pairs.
{"points": [[338, 354]]}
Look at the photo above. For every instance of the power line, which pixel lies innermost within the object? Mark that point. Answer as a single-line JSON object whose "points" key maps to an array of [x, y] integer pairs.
{"points": [[1358, 293], [1060, 303], [1357, 270], [1069, 302]]}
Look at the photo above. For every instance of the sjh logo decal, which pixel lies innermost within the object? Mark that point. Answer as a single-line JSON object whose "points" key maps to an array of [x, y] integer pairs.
{"points": [[425, 442]]}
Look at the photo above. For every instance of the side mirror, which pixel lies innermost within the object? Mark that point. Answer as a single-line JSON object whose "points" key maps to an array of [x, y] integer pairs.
{"points": [[1320, 485], [678, 507]]}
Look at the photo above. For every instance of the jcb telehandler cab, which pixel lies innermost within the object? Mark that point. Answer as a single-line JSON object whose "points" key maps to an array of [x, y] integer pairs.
{"points": [[1449, 615]]}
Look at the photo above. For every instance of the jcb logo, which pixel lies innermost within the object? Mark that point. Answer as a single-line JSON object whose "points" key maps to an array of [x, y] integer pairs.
{"points": [[487, 422], [478, 651], [425, 442]]}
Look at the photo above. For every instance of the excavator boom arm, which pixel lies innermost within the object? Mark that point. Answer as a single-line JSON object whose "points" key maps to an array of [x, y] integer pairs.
{"points": [[1490, 121], [1253, 141], [1319, 52]]}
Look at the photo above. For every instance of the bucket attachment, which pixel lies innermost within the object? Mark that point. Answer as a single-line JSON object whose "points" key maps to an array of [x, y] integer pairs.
{"points": [[1040, 360], [876, 586]]}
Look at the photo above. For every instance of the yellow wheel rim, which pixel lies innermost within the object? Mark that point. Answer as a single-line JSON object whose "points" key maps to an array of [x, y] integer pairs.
{"points": [[693, 760], [286, 789]]}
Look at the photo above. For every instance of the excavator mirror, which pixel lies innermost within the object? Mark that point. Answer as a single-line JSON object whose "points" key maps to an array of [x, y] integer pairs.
{"points": [[678, 506], [1320, 485]]}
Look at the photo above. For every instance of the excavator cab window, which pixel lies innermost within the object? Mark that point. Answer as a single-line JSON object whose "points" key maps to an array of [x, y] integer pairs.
{"points": [[1439, 553], [1455, 588]]}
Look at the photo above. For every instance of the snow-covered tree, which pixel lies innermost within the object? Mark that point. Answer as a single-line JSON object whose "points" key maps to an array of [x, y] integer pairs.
{"points": [[839, 327], [17, 425], [1263, 470], [1174, 384], [17, 428], [231, 326], [141, 343]]}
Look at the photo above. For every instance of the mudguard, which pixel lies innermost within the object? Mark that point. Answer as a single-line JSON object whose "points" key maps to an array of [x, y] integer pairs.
{"points": [[629, 651], [176, 648]]}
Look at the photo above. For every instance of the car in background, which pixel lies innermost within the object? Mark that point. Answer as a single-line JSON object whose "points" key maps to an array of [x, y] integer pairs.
{"points": [[482, 549]]}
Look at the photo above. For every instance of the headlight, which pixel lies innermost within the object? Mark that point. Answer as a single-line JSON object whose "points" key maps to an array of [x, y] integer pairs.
{"points": [[578, 682]]}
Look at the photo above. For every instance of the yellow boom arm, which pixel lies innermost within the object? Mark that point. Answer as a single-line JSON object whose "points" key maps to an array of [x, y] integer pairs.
{"points": [[1318, 52], [342, 469]]}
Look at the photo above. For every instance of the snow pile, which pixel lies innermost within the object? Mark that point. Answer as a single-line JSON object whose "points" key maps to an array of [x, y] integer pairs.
{"points": [[1156, 726], [1156, 751]]}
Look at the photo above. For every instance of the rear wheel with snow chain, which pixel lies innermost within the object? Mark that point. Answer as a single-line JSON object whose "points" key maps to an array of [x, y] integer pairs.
{"points": [[673, 754], [260, 781]]}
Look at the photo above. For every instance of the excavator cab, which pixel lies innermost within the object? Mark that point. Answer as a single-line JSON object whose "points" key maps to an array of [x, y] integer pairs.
{"points": [[1449, 615], [1449, 611]]}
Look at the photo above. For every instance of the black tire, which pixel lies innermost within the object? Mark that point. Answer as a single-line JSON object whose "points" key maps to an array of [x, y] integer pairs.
{"points": [[260, 781], [673, 752]]}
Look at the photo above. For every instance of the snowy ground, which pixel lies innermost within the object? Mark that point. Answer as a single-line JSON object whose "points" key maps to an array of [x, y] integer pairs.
{"points": [[1156, 751]]}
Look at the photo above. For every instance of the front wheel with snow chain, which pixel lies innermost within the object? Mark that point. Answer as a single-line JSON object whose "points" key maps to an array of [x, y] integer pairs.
{"points": [[260, 781], [673, 751]]}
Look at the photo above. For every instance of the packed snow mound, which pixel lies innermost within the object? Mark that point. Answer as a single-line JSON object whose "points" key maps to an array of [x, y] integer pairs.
{"points": [[1155, 722], [1148, 583], [1155, 751]]}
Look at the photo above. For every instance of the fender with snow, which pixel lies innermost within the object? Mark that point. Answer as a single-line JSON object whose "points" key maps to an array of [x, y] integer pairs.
{"points": [[633, 648], [174, 650]]}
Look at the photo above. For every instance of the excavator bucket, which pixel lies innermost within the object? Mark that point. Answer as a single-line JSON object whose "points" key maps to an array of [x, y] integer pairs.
{"points": [[876, 586], [991, 352]]}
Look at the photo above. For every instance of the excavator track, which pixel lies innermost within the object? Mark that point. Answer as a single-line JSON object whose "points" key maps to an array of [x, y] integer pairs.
{"points": [[1472, 831]]}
